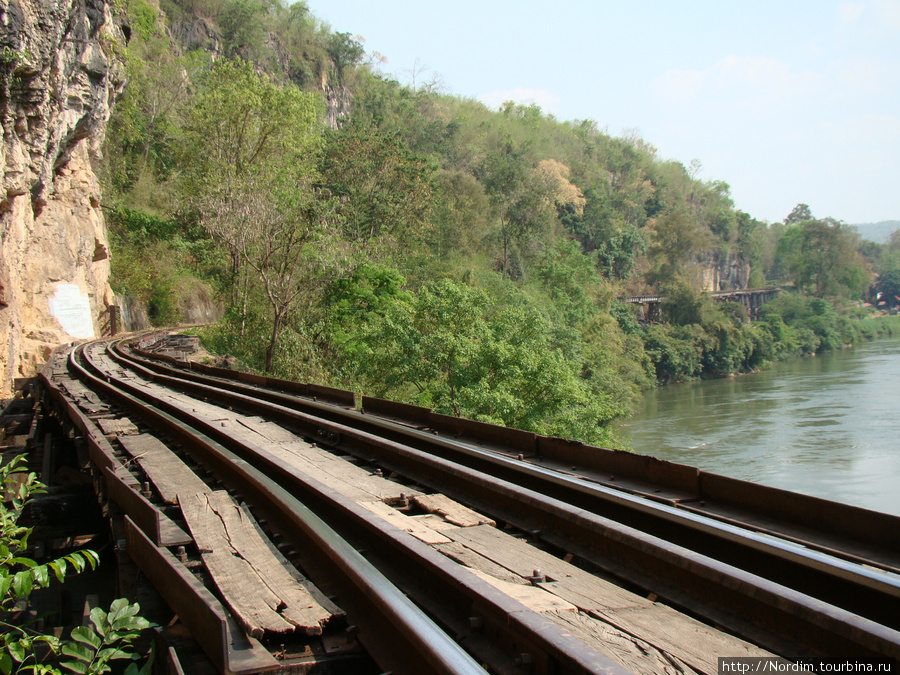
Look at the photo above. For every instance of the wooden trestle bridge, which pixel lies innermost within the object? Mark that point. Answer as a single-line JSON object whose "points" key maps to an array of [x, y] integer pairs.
{"points": [[751, 298], [274, 526]]}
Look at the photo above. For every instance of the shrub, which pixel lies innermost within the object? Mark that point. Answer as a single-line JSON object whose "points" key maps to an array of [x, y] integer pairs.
{"points": [[91, 648]]}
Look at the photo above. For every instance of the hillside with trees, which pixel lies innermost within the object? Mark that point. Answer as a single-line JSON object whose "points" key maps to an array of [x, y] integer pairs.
{"points": [[410, 244]]}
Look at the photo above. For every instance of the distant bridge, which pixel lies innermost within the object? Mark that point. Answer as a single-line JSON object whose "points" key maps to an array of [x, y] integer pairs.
{"points": [[751, 298]]}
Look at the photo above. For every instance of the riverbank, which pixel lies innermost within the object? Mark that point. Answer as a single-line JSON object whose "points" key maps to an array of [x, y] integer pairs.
{"points": [[719, 342]]}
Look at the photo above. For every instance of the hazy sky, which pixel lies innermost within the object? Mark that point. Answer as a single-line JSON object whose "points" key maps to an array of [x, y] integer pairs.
{"points": [[789, 101]]}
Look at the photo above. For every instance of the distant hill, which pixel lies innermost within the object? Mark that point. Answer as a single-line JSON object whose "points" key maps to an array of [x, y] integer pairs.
{"points": [[877, 232]]}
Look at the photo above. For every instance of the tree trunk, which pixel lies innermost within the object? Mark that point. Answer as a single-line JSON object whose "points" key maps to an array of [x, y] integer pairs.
{"points": [[270, 350]]}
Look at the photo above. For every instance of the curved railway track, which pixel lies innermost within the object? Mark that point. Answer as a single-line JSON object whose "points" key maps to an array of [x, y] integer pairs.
{"points": [[611, 544]]}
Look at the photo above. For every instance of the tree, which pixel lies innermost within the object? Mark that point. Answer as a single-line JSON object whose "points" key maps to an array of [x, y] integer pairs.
{"points": [[384, 190], [344, 50], [820, 256], [461, 214], [251, 176], [502, 173], [526, 199], [448, 348], [284, 233], [887, 282], [602, 228], [676, 240], [799, 214], [753, 247], [141, 142], [243, 122]]}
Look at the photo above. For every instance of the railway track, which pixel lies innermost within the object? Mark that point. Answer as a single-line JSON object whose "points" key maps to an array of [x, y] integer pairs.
{"points": [[556, 558]]}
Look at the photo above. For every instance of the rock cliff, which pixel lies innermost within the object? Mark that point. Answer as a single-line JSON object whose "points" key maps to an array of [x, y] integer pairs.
{"points": [[723, 272], [61, 73]]}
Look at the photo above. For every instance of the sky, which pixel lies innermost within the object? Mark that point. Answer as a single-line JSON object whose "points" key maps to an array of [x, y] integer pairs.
{"points": [[788, 101]]}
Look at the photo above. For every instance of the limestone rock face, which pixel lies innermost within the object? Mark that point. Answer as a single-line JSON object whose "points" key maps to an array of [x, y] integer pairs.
{"points": [[60, 72], [722, 272]]}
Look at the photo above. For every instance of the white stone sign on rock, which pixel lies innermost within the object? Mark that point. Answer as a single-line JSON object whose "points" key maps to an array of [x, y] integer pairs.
{"points": [[72, 309]]}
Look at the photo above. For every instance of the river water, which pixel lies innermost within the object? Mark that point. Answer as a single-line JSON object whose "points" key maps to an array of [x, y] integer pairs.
{"points": [[827, 426]]}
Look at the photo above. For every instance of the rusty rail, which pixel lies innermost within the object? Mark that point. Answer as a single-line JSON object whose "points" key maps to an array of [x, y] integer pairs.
{"points": [[394, 630], [572, 512]]}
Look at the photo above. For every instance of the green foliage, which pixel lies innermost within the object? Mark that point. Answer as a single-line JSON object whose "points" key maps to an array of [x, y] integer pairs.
{"points": [[461, 215], [675, 351], [384, 190], [142, 19], [110, 638], [242, 122], [344, 50], [367, 291], [112, 635], [243, 24], [328, 244], [820, 257], [809, 325], [447, 348], [569, 279], [676, 242], [602, 228], [157, 259], [887, 281], [624, 315]]}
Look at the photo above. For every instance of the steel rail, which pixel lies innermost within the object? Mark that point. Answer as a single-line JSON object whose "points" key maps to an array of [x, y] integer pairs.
{"points": [[860, 589], [711, 588], [885, 535], [268, 480], [423, 645]]}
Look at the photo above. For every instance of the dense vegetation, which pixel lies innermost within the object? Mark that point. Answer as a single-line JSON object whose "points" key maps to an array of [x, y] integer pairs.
{"points": [[410, 244]]}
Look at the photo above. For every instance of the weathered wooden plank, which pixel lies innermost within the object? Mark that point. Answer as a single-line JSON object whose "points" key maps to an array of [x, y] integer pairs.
{"points": [[345, 477], [676, 634], [117, 427], [435, 522], [632, 653], [628, 650], [168, 473], [466, 556], [416, 528], [532, 597], [212, 413], [253, 605], [260, 592], [84, 397], [299, 607], [294, 573], [454, 512], [572, 583], [692, 642], [269, 430]]}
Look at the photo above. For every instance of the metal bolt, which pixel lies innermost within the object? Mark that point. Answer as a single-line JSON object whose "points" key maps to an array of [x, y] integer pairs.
{"points": [[181, 554], [536, 577]]}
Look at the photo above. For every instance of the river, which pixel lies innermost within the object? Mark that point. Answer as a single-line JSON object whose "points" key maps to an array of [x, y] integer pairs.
{"points": [[826, 426]]}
